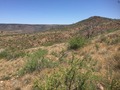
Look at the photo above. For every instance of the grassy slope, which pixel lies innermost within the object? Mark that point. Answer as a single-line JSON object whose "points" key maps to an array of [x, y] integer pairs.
{"points": [[105, 49], [18, 52]]}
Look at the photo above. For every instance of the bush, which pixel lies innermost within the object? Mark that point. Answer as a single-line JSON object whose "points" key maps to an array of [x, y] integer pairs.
{"points": [[3, 54], [70, 78], [78, 75], [77, 42], [8, 54], [37, 62]]}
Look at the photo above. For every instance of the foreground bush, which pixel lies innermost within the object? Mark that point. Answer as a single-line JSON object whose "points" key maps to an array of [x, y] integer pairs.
{"points": [[36, 62], [77, 42], [79, 75]]}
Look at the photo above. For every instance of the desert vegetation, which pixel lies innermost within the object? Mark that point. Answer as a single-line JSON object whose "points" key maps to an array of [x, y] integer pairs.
{"points": [[82, 56], [77, 42]]}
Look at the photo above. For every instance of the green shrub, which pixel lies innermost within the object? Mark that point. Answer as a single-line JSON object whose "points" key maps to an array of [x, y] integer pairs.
{"points": [[77, 42], [38, 54], [3, 54], [8, 54], [16, 54], [78, 75], [70, 78], [37, 61]]}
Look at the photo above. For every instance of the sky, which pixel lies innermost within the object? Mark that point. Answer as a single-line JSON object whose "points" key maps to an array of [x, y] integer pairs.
{"points": [[56, 11]]}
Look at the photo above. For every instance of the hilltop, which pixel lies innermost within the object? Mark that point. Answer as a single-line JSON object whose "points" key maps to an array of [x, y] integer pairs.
{"points": [[94, 25]]}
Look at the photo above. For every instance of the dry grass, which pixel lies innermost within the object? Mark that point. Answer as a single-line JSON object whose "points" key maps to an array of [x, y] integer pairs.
{"points": [[106, 54]]}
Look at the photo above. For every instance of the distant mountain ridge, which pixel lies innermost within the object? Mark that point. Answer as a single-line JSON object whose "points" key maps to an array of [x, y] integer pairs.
{"points": [[91, 25], [26, 27]]}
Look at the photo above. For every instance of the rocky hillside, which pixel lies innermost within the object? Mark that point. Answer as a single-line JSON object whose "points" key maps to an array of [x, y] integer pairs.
{"points": [[94, 26]]}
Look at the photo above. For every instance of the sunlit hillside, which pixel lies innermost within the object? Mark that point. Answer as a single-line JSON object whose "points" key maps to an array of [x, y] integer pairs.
{"points": [[81, 56]]}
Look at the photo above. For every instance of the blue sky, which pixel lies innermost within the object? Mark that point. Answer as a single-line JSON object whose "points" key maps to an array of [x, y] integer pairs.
{"points": [[56, 11]]}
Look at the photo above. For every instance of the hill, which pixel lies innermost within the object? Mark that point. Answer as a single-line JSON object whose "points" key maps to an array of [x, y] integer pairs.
{"points": [[80, 56], [95, 25], [92, 25]]}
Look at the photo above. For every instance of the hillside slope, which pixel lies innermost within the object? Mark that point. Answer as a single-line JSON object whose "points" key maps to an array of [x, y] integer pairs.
{"points": [[45, 61], [103, 49], [90, 26], [95, 25]]}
